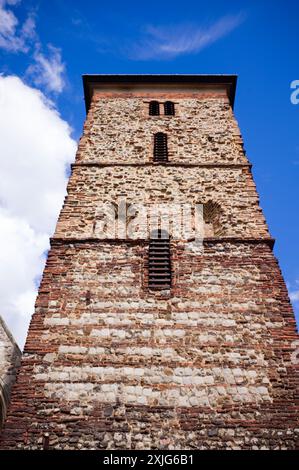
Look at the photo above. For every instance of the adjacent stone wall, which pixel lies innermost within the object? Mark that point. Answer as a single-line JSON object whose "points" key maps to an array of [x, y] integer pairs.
{"points": [[9, 362]]}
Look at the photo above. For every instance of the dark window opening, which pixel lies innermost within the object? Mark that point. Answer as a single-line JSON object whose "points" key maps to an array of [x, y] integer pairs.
{"points": [[169, 108], [154, 108], [160, 147], [159, 265]]}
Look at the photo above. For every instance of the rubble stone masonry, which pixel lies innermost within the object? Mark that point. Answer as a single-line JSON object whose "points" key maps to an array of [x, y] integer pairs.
{"points": [[209, 364], [9, 362]]}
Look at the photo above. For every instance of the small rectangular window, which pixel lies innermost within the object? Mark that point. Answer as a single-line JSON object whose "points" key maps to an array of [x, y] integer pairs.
{"points": [[169, 108], [159, 265], [160, 147], [154, 108]]}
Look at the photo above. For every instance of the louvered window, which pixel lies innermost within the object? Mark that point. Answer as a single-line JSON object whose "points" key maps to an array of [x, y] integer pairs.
{"points": [[154, 108], [160, 147], [159, 265], [169, 108]]}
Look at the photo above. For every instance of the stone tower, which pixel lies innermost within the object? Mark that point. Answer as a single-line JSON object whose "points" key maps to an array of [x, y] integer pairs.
{"points": [[143, 342]]}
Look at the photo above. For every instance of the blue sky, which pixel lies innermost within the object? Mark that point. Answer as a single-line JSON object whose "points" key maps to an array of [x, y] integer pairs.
{"points": [[50, 45]]}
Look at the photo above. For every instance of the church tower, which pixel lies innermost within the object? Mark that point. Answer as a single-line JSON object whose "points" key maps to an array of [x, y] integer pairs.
{"points": [[158, 331]]}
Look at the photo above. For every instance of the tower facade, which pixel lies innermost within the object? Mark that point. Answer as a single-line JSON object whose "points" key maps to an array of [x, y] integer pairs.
{"points": [[156, 338]]}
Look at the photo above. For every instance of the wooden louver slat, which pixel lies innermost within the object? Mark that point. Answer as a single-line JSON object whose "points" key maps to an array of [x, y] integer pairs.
{"points": [[159, 265], [160, 147], [154, 108]]}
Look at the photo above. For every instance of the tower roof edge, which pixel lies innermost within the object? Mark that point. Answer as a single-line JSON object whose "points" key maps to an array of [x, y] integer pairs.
{"points": [[92, 80]]}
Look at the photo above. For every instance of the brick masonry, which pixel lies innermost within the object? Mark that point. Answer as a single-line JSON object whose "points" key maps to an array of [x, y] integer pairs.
{"points": [[209, 364]]}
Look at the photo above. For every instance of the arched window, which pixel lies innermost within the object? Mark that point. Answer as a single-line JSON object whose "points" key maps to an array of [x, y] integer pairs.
{"points": [[159, 264], [154, 108], [212, 219], [160, 147], [169, 108]]}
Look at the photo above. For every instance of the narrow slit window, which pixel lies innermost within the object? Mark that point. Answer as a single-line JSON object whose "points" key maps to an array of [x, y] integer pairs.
{"points": [[154, 108], [159, 264], [160, 147], [169, 108]]}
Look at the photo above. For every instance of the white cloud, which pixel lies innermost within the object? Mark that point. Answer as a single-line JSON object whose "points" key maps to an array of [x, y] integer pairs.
{"points": [[28, 28], [9, 2], [294, 294], [166, 42], [48, 71], [13, 37], [35, 147]]}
